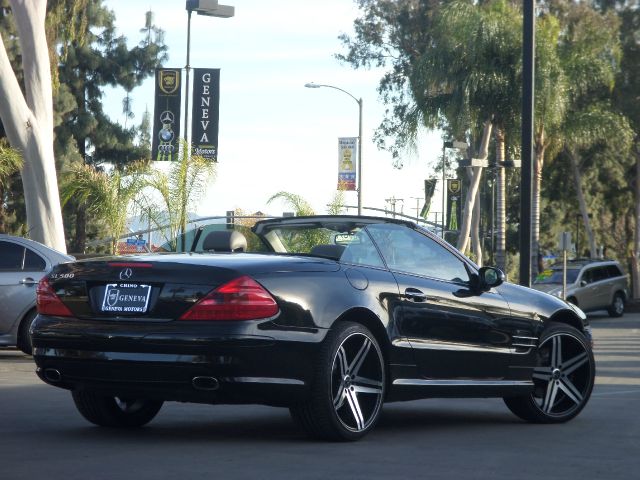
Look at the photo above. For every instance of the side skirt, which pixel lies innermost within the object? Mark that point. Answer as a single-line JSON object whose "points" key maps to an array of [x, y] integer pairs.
{"points": [[416, 388]]}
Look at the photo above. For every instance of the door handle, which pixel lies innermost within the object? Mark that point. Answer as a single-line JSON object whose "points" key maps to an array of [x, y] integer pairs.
{"points": [[415, 295], [28, 281]]}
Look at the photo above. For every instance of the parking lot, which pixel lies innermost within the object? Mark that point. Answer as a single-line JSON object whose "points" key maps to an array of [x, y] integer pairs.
{"points": [[41, 434]]}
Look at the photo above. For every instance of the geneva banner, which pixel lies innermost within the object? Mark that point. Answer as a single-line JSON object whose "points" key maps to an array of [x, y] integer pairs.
{"points": [[206, 113], [347, 148], [166, 114], [454, 203]]}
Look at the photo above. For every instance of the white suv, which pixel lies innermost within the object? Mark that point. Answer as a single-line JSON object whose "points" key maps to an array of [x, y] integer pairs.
{"points": [[591, 285]]}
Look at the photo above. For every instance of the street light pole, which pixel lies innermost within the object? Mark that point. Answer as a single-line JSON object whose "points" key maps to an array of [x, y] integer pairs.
{"points": [[187, 68], [359, 102], [212, 9]]}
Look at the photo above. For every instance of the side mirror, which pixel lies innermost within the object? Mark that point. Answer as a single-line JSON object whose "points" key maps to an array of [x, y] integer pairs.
{"points": [[583, 283], [491, 276]]}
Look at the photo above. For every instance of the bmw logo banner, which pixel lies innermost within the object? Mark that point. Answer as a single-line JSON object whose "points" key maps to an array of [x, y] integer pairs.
{"points": [[166, 114]]}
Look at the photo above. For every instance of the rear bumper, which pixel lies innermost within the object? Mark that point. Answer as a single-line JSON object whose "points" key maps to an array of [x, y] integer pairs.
{"points": [[185, 362]]}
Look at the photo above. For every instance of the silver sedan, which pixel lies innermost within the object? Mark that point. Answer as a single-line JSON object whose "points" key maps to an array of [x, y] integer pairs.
{"points": [[23, 263]]}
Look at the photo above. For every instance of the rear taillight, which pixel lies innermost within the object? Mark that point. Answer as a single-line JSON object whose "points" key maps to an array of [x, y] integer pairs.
{"points": [[48, 302], [240, 299]]}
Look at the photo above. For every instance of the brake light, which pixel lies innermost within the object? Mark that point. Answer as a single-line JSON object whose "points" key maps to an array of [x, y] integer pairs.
{"points": [[48, 302], [240, 299]]}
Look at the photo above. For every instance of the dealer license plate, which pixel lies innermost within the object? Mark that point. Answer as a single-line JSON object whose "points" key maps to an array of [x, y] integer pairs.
{"points": [[126, 298]]}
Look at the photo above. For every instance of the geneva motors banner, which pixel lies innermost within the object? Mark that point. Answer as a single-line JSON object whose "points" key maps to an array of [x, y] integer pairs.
{"points": [[454, 203], [347, 148], [206, 112], [166, 114]]}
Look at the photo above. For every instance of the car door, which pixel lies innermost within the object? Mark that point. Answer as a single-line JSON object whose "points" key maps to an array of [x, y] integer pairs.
{"points": [[456, 333], [20, 270], [590, 295]]}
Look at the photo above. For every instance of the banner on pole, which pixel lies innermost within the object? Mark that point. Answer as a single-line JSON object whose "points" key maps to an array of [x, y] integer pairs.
{"points": [[166, 114], [347, 150], [429, 189], [454, 203], [206, 113]]}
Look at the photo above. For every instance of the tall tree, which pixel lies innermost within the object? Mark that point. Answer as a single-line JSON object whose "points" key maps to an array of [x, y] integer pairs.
{"points": [[94, 56], [28, 122]]}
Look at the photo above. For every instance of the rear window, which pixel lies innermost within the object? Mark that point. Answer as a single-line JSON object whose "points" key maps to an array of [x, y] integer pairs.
{"points": [[614, 271], [14, 257]]}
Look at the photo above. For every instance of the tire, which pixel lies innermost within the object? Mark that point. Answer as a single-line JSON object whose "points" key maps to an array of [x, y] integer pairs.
{"points": [[24, 338], [563, 377], [616, 309], [349, 386], [117, 412]]}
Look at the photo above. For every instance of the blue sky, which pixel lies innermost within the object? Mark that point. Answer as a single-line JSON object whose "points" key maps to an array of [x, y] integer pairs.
{"points": [[275, 134]]}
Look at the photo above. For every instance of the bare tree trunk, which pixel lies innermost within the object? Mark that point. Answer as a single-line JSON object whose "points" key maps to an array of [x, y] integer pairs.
{"points": [[501, 213], [28, 121], [535, 206], [577, 177], [476, 244], [474, 183], [635, 256]]}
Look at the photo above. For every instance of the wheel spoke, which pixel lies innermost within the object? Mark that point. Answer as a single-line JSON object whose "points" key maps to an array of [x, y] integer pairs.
{"points": [[354, 368], [352, 398], [556, 351], [542, 373], [550, 397], [338, 400], [367, 381], [576, 362], [571, 391], [342, 360]]}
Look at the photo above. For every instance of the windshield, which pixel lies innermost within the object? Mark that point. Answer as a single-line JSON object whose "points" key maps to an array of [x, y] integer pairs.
{"points": [[304, 239], [555, 276]]}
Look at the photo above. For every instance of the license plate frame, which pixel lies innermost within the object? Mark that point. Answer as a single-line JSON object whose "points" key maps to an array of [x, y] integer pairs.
{"points": [[125, 298]]}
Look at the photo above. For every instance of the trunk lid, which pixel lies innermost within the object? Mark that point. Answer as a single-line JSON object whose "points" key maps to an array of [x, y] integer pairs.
{"points": [[160, 287]]}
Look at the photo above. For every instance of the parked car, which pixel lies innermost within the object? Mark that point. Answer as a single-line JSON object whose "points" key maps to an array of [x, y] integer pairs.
{"points": [[23, 263], [591, 285], [341, 314]]}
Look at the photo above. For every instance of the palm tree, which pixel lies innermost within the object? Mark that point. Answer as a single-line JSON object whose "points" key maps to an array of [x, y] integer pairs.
{"points": [[179, 190], [467, 80], [11, 162], [109, 195]]}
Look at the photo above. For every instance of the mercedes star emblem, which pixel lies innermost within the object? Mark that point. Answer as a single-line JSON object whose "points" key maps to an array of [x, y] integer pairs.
{"points": [[126, 274]]}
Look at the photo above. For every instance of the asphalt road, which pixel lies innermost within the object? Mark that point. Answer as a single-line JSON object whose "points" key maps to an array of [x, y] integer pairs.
{"points": [[41, 434]]}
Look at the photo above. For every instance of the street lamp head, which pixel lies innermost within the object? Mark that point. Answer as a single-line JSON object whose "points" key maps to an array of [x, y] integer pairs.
{"points": [[210, 8], [311, 85]]}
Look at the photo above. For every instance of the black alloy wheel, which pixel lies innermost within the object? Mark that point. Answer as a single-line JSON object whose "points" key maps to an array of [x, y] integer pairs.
{"points": [[107, 411], [616, 309], [349, 388], [563, 378]]}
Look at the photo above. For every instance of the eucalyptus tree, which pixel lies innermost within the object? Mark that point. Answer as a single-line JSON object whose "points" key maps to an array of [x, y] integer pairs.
{"points": [[27, 120]]}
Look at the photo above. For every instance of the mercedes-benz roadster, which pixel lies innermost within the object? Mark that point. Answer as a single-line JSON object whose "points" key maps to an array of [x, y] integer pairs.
{"points": [[329, 316]]}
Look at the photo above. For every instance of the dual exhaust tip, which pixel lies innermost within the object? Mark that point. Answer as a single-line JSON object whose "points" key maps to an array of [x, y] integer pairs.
{"points": [[208, 384]]}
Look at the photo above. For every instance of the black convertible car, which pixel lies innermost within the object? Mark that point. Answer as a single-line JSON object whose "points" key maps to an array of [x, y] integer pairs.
{"points": [[329, 316]]}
